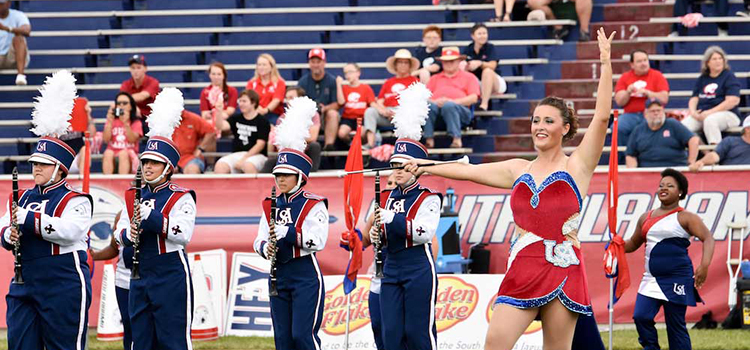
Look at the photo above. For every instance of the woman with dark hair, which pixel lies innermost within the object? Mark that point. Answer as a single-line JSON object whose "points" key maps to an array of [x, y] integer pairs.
{"points": [[481, 61], [122, 131], [545, 276], [668, 279]]}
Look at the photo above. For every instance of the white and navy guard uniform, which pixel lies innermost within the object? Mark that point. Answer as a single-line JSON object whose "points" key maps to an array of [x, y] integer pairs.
{"points": [[161, 301], [668, 281], [408, 222], [301, 231], [50, 310]]}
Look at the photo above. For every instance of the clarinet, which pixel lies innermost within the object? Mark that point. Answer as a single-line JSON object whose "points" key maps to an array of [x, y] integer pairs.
{"points": [[378, 244], [136, 275], [273, 290], [18, 279]]}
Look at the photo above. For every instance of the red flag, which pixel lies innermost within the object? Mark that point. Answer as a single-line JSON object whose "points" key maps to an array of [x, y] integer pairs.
{"points": [[615, 262], [353, 190]]}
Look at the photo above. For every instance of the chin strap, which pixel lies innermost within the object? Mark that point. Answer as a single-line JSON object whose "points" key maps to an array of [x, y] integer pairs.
{"points": [[163, 174], [296, 187], [54, 175]]}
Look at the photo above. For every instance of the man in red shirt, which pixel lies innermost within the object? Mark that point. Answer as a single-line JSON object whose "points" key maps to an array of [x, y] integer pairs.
{"points": [[634, 87], [402, 65], [355, 97], [192, 137], [454, 91], [142, 87]]}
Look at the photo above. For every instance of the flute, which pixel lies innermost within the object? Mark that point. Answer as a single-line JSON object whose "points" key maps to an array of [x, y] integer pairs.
{"points": [[137, 221], [18, 278], [273, 290]]}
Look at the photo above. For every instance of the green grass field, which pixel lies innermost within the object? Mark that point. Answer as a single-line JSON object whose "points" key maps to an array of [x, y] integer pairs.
{"points": [[623, 340]]}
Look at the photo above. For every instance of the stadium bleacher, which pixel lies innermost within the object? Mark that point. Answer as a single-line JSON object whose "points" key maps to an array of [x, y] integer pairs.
{"points": [[95, 38]]}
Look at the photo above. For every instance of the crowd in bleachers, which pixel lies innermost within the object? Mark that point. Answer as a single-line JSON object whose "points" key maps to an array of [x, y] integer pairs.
{"points": [[462, 79]]}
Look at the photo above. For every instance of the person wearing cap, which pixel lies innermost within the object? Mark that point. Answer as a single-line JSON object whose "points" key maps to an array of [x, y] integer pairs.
{"points": [[14, 51], [301, 230], [481, 59], [321, 88], [405, 225], [454, 91], [50, 309], [401, 65], [660, 141], [161, 301], [141, 86], [732, 150]]}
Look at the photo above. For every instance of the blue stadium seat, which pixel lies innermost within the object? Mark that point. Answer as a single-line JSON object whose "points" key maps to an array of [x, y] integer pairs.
{"points": [[270, 38], [296, 3], [70, 5], [160, 40], [426, 17], [172, 21], [184, 4], [49, 43], [91, 23]]}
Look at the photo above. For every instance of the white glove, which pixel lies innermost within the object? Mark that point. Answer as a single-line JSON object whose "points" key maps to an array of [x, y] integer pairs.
{"points": [[145, 211], [374, 235], [21, 215], [281, 231], [386, 216]]}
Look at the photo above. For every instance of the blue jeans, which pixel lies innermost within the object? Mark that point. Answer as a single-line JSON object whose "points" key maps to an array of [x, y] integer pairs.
{"points": [[626, 123], [454, 115]]}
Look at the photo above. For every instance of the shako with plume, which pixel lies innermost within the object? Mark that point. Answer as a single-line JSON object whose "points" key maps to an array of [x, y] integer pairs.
{"points": [[290, 139], [166, 115], [410, 116], [51, 118]]}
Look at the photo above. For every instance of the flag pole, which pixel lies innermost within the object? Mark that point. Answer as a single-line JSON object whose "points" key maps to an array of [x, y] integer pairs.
{"points": [[348, 299], [611, 310]]}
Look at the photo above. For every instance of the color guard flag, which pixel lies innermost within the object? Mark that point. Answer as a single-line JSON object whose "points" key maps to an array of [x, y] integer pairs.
{"points": [[615, 262], [353, 188]]}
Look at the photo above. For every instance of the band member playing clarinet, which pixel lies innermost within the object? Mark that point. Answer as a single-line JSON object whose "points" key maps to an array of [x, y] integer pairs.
{"points": [[301, 230], [161, 300], [50, 309], [406, 223]]}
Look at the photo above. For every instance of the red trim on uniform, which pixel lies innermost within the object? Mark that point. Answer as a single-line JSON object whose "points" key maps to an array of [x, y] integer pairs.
{"points": [[55, 249], [52, 187], [60, 143], [301, 219], [110, 336], [38, 224], [413, 214], [64, 202], [650, 222], [165, 227]]}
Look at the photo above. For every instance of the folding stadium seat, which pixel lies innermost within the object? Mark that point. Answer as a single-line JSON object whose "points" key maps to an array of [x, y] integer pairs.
{"points": [[270, 38], [70, 6], [173, 21], [284, 19], [91, 23], [56, 42]]}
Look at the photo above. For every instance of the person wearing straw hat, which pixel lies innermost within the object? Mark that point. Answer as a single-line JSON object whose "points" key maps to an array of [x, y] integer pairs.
{"points": [[401, 65], [454, 91], [301, 230], [49, 309], [406, 224], [161, 300]]}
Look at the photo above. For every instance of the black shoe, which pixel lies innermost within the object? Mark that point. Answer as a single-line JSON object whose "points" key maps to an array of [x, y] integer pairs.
{"points": [[560, 34], [585, 36], [330, 147]]}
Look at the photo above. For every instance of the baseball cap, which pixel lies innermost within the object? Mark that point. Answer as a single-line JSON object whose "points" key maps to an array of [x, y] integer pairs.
{"points": [[140, 59], [317, 52], [746, 123], [651, 101]]}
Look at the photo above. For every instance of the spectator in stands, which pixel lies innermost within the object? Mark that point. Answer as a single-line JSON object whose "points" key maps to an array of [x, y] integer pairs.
{"points": [[14, 52], [427, 55], [141, 86], [745, 12], [218, 99], [713, 107], [250, 132], [501, 15], [193, 137], [721, 9], [482, 61], [321, 88], [355, 97], [633, 88], [313, 146], [401, 65], [269, 85], [733, 150], [583, 9], [122, 131], [661, 141], [453, 93]]}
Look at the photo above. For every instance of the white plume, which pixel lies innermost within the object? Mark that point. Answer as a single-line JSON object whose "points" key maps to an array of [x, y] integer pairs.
{"points": [[166, 113], [412, 111], [295, 127], [52, 109]]}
